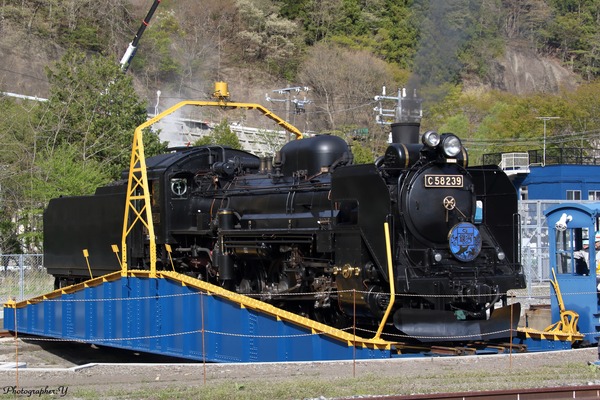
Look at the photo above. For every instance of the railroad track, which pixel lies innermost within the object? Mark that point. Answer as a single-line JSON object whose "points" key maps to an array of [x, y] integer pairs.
{"points": [[5, 333], [555, 393]]}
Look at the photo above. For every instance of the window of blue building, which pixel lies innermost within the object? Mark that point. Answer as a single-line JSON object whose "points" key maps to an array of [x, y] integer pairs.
{"points": [[594, 195], [573, 194]]}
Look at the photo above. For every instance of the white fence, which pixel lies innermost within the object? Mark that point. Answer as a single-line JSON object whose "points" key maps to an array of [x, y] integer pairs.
{"points": [[535, 251]]}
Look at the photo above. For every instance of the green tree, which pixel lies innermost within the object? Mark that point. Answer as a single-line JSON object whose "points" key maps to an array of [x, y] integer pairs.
{"points": [[362, 152], [351, 20], [17, 156], [442, 37], [584, 106], [398, 34], [573, 32], [79, 139], [265, 36], [320, 19], [457, 124], [63, 173], [156, 57], [271, 139], [222, 135], [9, 240], [94, 108], [487, 35], [293, 9]]}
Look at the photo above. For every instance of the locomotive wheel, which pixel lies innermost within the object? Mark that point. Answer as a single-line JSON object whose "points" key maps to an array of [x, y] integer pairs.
{"points": [[253, 281]]}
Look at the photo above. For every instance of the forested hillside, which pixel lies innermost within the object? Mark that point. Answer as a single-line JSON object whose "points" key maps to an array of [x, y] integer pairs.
{"points": [[487, 70]]}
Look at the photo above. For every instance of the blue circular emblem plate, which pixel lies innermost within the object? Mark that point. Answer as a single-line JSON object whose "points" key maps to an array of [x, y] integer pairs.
{"points": [[465, 241]]}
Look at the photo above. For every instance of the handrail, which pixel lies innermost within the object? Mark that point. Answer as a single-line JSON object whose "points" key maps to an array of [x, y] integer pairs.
{"points": [[388, 248]]}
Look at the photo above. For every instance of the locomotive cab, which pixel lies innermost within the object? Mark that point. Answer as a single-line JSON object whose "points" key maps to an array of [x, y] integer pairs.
{"points": [[180, 213]]}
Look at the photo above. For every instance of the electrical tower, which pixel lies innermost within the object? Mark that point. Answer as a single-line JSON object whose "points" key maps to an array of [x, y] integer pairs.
{"points": [[299, 105]]}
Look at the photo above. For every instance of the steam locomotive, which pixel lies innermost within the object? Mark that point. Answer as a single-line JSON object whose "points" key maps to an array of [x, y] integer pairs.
{"points": [[306, 231]]}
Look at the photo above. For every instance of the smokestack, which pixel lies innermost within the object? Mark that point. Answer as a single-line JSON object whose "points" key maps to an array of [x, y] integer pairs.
{"points": [[408, 118]]}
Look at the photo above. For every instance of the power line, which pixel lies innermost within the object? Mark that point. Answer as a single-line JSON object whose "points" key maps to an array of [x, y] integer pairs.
{"points": [[557, 139]]}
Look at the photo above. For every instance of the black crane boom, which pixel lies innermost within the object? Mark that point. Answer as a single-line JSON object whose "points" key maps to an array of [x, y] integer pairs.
{"points": [[130, 52]]}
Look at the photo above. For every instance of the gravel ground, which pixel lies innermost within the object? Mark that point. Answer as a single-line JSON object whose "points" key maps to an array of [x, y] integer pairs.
{"points": [[73, 370]]}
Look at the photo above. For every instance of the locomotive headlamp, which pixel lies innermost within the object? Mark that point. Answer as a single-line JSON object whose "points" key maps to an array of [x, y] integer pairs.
{"points": [[501, 256], [431, 139], [451, 145], [437, 257]]}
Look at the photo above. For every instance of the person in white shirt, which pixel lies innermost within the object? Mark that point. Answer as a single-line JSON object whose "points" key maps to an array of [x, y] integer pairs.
{"points": [[582, 258]]}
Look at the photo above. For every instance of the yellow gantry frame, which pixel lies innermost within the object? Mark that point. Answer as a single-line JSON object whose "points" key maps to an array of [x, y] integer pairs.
{"points": [[137, 184]]}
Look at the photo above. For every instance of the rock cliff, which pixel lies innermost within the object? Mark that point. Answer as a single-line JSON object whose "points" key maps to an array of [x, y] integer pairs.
{"points": [[523, 71]]}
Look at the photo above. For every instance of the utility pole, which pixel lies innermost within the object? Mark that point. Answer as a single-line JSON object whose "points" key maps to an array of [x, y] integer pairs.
{"points": [[544, 151], [299, 105], [407, 108], [404, 118]]}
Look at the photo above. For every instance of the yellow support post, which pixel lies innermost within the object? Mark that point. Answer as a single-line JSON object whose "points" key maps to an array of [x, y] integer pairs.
{"points": [[86, 255], [138, 190], [168, 248], [115, 250]]}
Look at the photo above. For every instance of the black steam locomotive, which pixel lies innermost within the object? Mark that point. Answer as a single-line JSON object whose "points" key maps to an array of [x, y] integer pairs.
{"points": [[305, 231]]}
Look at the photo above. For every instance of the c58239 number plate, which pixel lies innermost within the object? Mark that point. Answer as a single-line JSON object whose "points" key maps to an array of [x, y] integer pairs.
{"points": [[443, 181]]}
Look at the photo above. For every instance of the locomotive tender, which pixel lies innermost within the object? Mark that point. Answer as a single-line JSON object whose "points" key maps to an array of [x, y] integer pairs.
{"points": [[305, 232]]}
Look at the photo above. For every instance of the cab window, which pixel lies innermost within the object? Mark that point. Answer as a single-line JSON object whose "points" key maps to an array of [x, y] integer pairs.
{"points": [[572, 251]]}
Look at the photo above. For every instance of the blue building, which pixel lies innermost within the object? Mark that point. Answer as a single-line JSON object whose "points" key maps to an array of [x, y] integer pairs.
{"points": [[561, 182], [565, 174]]}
